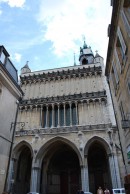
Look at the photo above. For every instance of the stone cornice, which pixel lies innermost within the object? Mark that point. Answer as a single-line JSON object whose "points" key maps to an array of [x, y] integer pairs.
{"points": [[88, 97], [65, 129], [53, 76]]}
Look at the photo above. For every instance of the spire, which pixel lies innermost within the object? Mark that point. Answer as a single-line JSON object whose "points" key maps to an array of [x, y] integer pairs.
{"points": [[25, 68], [97, 55], [85, 45], [26, 65], [74, 60]]}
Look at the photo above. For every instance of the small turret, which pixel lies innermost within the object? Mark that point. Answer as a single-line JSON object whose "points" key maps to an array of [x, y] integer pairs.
{"points": [[25, 69], [98, 58]]}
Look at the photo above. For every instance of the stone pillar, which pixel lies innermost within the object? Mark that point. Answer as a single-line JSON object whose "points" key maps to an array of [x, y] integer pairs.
{"points": [[84, 176], [70, 114], [10, 181], [114, 170], [64, 115], [82, 112], [117, 171], [76, 106], [52, 116], [58, 115], [41, 116], [46, 116], [34, 179]]}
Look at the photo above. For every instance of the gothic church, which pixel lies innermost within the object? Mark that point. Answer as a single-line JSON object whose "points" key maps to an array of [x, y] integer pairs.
{"points": [[66, 137]]}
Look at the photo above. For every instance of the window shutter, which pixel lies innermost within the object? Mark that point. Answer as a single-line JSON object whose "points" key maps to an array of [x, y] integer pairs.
{"points": [[123, 45], [125, 21], [117, 60], [115, 72]]}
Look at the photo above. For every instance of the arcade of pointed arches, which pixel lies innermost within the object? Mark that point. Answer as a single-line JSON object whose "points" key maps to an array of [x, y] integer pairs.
{"points": [[59, 161]]}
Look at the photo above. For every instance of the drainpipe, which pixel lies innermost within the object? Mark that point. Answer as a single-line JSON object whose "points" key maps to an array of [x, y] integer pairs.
{"points": [[13, 125], [121, 149]]}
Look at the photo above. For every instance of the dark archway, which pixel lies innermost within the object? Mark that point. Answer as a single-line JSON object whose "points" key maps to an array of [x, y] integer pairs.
{"points": [[85, 61], [98, 166], [23, 171], [60, 170]]}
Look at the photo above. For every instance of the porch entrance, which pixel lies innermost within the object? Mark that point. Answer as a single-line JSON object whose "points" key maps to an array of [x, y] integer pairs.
{"points": [[98, 166], [61, 172]]}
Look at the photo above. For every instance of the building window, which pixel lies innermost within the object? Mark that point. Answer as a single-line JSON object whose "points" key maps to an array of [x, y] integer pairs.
{"points": [[125, 14], [121, 42], [114, 76], [67, 115], [56, 117], [44, 117], [84, 61], [117, 60], [50, 116], [61, 116], [2, 58], [128, 153], [73, 114], [0, 88], [122, 111], [128, 85]]}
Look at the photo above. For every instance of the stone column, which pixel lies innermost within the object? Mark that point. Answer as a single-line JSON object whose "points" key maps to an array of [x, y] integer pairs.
{"points": [[76, 106], [64, 115], [34, 179], [117, 171], [58, 115], [70, 114], [84, 176], [41, 116], [115, 177], [10, 181], [82, 112], [46, 116], [30, 116], [52, 116]]}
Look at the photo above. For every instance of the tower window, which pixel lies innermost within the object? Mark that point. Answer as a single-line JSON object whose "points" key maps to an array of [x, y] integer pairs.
{"points": [[84, 62]]}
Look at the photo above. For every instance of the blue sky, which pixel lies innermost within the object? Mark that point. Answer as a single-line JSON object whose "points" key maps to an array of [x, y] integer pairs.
{"points": [[47, 33]]}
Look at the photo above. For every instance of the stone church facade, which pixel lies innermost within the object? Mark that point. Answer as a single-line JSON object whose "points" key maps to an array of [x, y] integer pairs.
{"points": [[66, 136]]}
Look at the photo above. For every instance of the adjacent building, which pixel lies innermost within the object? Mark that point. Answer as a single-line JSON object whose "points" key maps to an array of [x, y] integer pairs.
{"points": [[118, 73], [10, 93], [66, 138]]}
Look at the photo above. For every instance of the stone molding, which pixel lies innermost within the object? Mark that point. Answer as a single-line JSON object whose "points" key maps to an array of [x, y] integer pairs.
{"points": [[82, 97], [64, 129], [53, 76]]}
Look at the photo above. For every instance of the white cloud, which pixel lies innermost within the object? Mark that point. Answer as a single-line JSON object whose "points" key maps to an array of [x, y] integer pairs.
{"points": [[0, 12], [65, 22], [14, 3], [17, 57]]}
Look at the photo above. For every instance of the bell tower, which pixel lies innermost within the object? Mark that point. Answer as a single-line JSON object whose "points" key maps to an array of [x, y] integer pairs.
{"points": [[86, 55]]}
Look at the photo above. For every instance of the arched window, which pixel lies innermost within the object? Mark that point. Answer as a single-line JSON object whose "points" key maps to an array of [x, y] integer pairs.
{"points": [[73, 114], [61, 115], [56, 116], [67, 115], [44, 117], [85, 61], [50, 116]]}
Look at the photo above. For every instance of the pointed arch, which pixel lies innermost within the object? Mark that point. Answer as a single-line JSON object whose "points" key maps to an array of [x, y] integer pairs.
{"points": [[17, 148], [49, 144], [99, 140]]}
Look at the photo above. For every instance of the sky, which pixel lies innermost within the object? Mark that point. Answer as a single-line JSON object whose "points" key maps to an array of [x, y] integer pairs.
{"points": [[47, 33]]}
